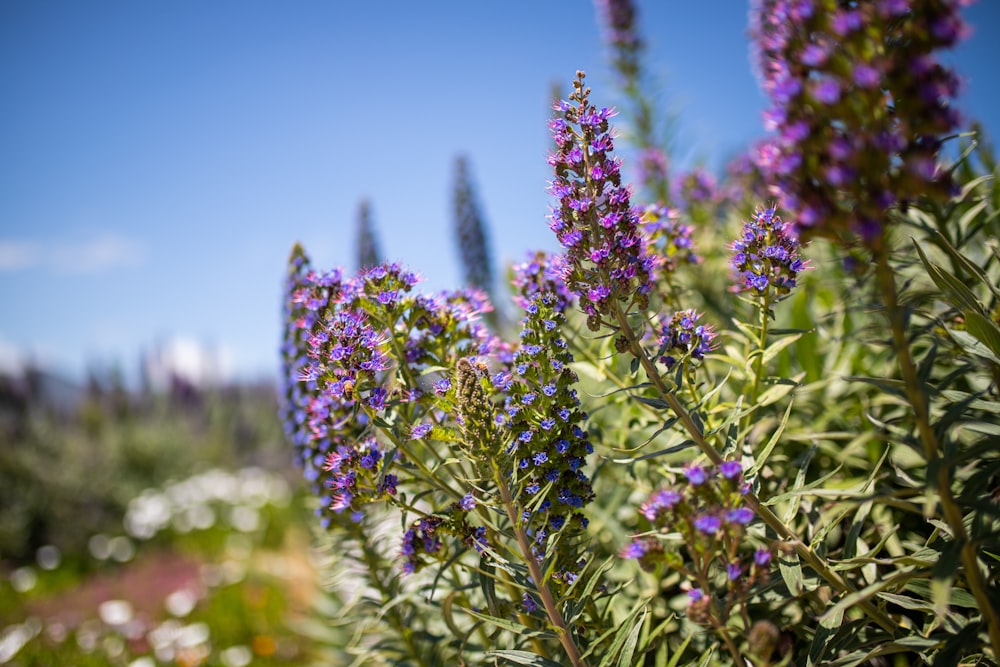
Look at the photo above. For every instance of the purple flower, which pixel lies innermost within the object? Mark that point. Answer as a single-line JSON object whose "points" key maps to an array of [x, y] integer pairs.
{"points": [[762, 558], [659, 501], [740, 516], [708, 524], [695, 474], [827, 91], [682, 335], [468, 502], [730, 469], [420, 430]]}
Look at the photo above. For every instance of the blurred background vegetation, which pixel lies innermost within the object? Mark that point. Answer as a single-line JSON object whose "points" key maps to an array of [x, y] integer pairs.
{"points": [[149, 526]]}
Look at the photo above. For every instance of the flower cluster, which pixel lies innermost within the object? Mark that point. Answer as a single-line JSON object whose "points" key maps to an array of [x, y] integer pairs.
{"points": [[357, 475], [619, 22], [681, 338], [547, 447], [670, 238], [540, 273], [708, 512], [423, 540], [606, 260], [696, 189], [356, 353], [859, 108], [766, 256]]}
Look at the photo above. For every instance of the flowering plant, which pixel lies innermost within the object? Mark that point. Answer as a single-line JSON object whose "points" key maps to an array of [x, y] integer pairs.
{"points": [[686, 451]]}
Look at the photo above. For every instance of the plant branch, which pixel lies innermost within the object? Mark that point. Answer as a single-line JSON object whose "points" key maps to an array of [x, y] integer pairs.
{"points": [[917, 398], [764, 512]]}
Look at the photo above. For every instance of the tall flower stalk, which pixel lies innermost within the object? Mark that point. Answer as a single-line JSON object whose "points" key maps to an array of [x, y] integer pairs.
{"points": [[369, 253], [844, 78], [582, 228], [767, 265]]}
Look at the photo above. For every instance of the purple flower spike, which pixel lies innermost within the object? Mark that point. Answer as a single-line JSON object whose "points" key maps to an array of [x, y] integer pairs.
{"points": [[595, 221], [766, 256], [881, 86]]}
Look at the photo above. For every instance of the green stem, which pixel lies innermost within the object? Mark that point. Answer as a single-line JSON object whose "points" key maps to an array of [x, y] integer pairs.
{"points": [[765, 306], [777, 525], [537, 576], [921, 414]]}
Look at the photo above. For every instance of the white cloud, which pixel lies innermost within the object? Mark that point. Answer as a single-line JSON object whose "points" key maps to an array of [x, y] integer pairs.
{"points": [[105, 252], [19, 255], [101, 253]]}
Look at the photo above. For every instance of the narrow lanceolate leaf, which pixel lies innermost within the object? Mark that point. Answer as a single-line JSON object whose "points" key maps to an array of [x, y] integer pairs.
{"points": [[791, 573], [780, 389], [820, 643], [511, 626], [621, 636], [761, 457], [961, 260], [958, 293], [628, 650], [773, 349], [523, 658], [986, 331]]}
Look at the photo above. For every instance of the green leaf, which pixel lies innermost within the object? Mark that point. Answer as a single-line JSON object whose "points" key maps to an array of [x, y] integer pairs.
{"points": [[680, 651], [510, 626], [772, 350], [959, 294], [624, 631], [662, 452], [761, 458], [523, 658], [986, 331], [657, 403], [955, 396], [791, 572], [821, 639], [961, 260], [958, 597], [780, 390], [487, 584], [628, 650]]}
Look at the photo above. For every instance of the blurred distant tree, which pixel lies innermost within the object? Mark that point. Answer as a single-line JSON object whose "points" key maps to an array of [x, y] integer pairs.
{"points": [[470, 233], [368, 250]]}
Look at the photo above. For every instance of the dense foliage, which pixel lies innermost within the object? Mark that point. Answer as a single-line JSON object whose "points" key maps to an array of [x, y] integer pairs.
{"points": [[726, 430]]}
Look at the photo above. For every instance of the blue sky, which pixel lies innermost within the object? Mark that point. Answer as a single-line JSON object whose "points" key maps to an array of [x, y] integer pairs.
{"points": [[158, 159]]}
